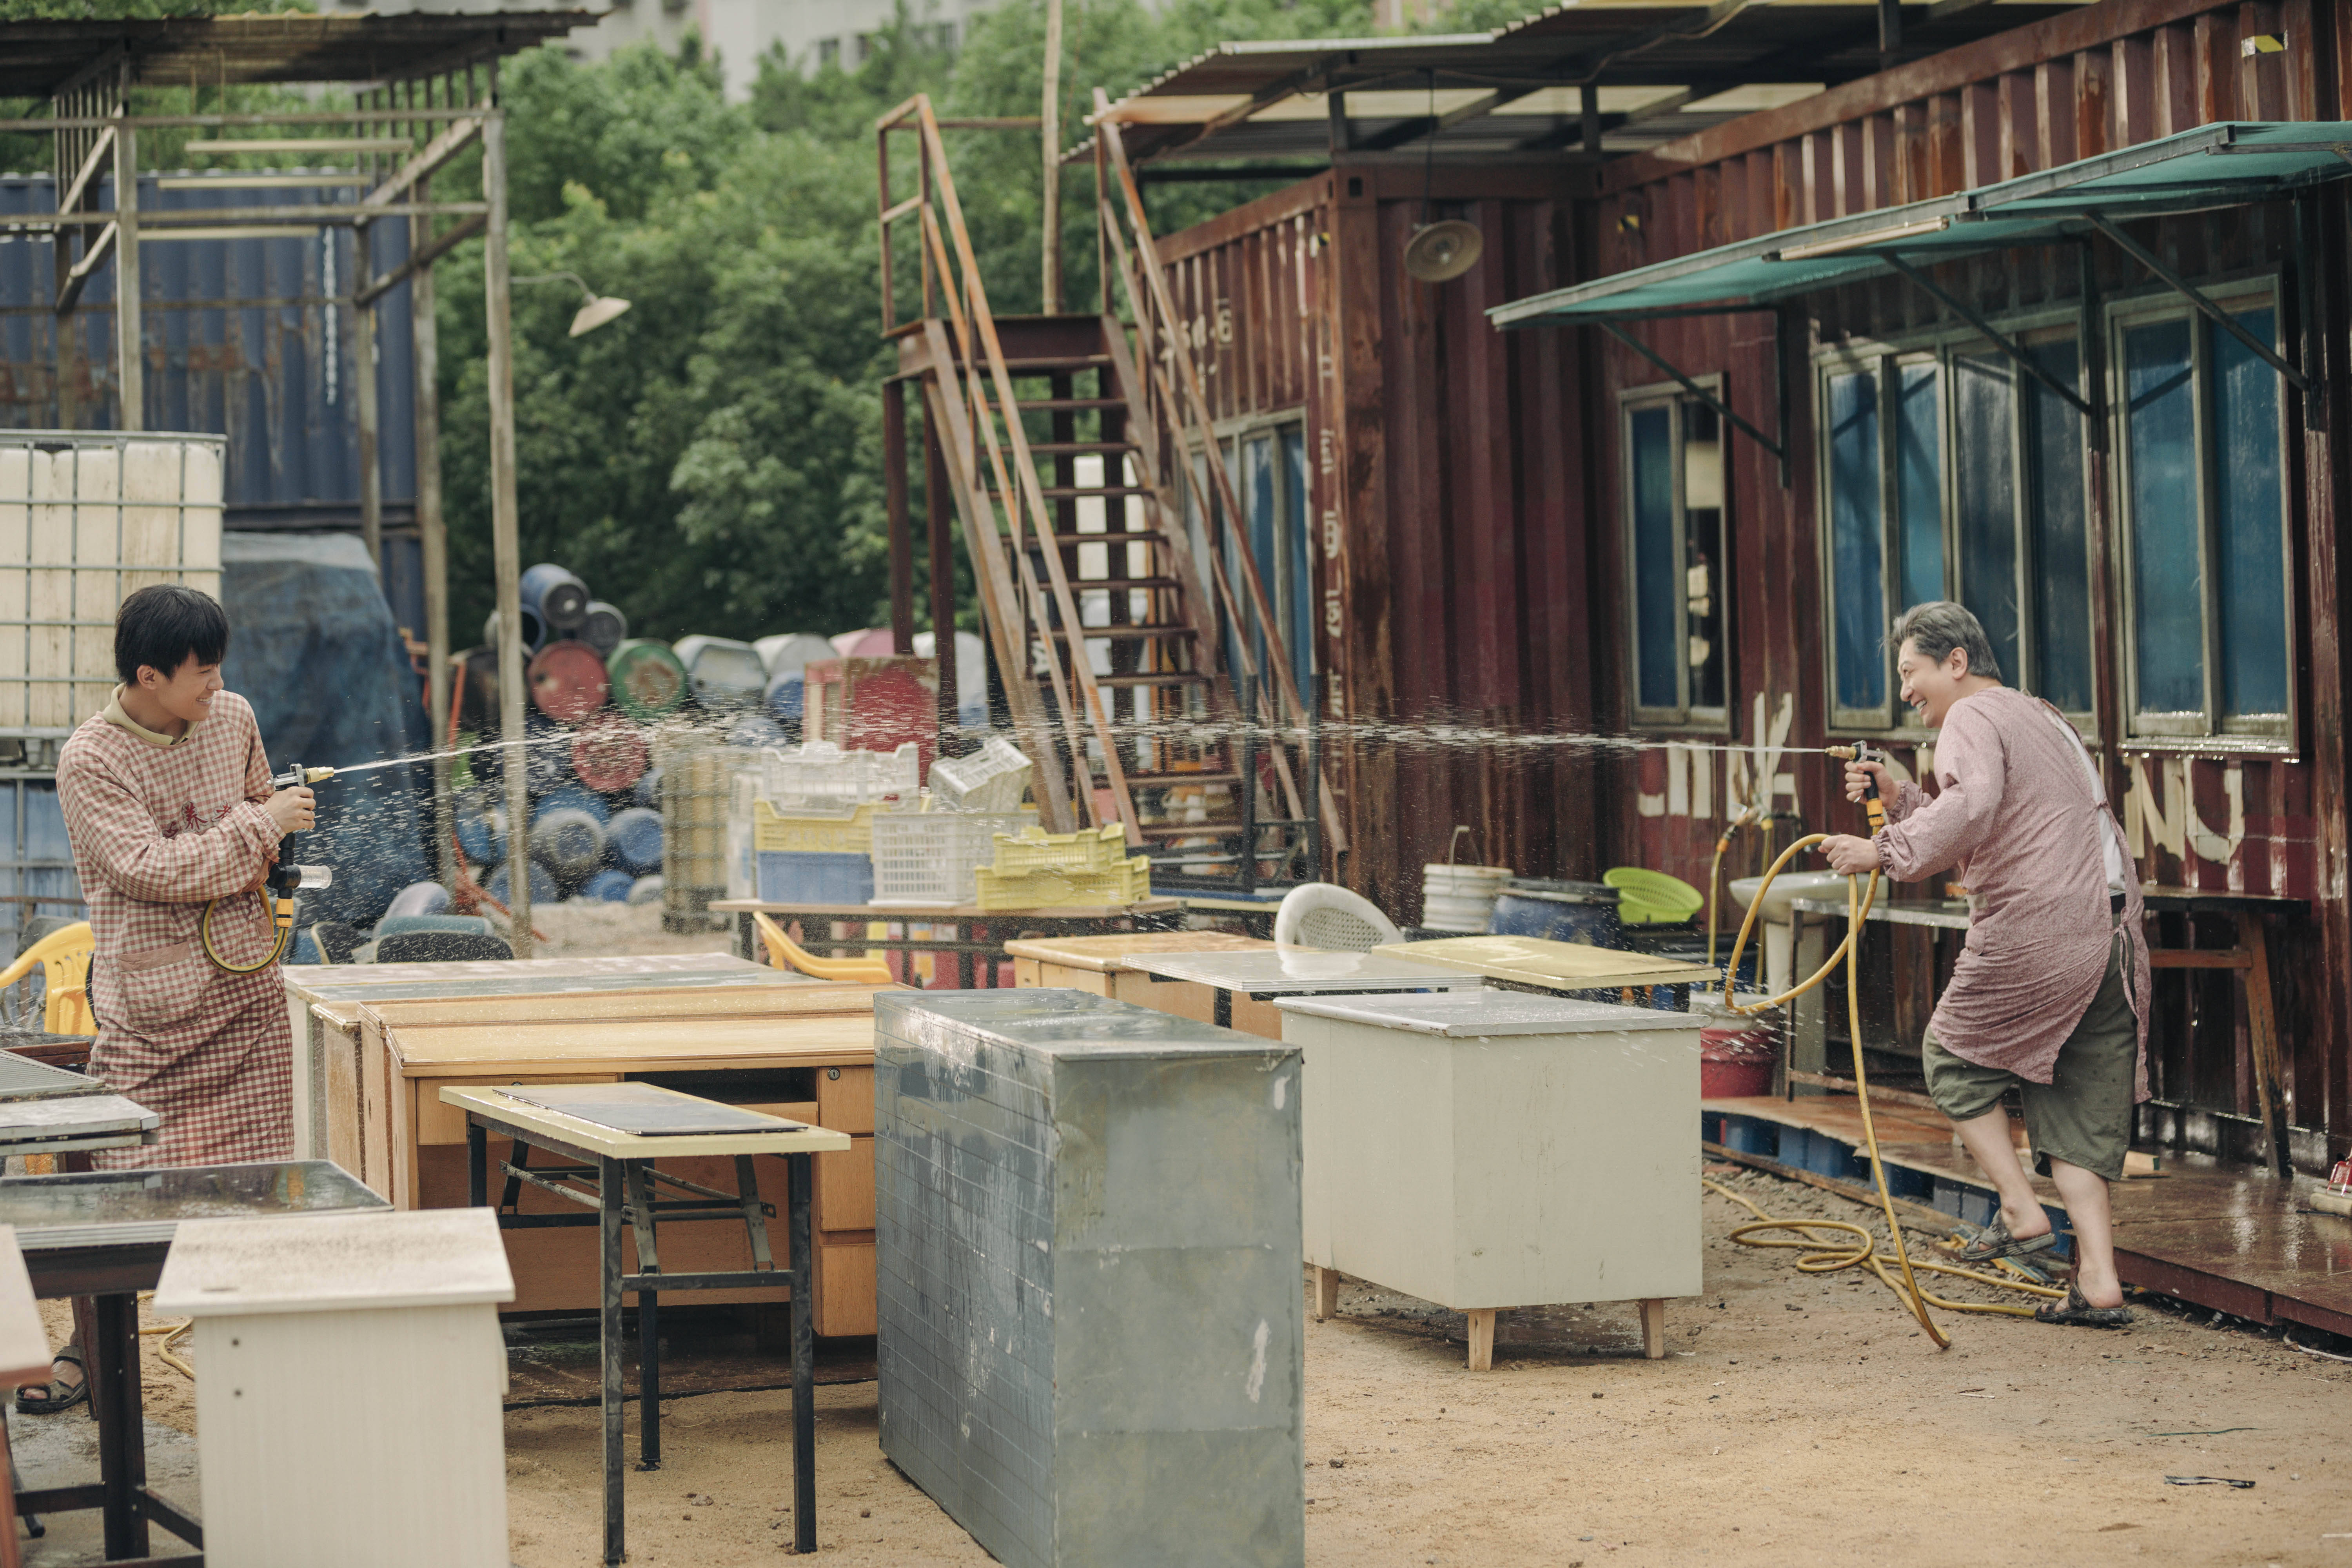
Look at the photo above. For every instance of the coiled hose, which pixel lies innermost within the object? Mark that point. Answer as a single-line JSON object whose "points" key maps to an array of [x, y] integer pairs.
{"points": [[1822, 1257], [285, 922]]}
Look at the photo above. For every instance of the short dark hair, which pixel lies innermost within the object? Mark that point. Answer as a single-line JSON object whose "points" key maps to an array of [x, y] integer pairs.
{"points": [[159, 626], [1940, 626]]}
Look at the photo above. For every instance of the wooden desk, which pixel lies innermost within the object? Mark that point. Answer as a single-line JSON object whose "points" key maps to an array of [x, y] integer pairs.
{"points": [[307, 984], [1082, 920], [1233, 978], [805, 1053], [622, 1166], [1563, 966], [1092, 963]]}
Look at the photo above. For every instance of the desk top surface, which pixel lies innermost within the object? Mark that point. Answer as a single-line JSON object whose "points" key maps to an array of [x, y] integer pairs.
{"points": [[76, 1116], [1103, 955], [1554, 965], [680, 1004], [105, 1208], [502, 1110], [305, 980], [1299, 970], [944, 913], [735, 975], [630, 1045], [335, 1262]]}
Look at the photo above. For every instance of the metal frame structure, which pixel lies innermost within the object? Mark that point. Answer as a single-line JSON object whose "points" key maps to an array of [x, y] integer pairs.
{"points": [[425, 89]]}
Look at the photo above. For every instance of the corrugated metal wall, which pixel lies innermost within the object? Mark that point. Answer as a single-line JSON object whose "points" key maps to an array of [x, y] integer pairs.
{"points": [[2108, 76], [248, 338]]}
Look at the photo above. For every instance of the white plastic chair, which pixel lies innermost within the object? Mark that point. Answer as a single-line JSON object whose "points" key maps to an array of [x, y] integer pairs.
{"points": [[1324, 915]]}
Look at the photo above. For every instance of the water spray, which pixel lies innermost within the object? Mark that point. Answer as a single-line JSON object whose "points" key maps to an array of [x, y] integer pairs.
{"points": [[284, 879]]}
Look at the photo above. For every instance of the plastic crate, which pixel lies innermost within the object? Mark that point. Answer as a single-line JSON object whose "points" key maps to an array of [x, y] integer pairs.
{"points": [[823, 775], [994, 778], [1084, 853], [805, 879], [1130, 883], [812, 832], [930, 858]]}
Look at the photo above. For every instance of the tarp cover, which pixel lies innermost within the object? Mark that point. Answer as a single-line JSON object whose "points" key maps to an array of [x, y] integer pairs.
{"points": [[314, 647]]}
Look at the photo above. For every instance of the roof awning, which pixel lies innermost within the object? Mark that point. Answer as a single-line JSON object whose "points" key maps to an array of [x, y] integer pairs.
{"points": [[2227, 164]]}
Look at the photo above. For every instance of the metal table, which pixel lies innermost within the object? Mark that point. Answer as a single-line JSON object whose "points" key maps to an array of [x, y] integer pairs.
{"points": [[1297, 972], [105, 1233], [622, 1167], [1148, 914], [77, 1122], [26, 1077]]}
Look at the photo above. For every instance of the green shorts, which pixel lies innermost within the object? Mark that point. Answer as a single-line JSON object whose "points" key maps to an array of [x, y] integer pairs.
{"points": [[2083, 1114]]}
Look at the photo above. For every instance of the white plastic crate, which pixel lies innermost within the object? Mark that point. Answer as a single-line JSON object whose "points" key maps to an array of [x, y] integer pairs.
{"points": [[993, 778], [933, 857], [823, 775]]}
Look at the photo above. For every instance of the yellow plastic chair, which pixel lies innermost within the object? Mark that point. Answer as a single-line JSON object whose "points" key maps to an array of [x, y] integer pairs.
{"points": [[785, 953], [64, 955]]}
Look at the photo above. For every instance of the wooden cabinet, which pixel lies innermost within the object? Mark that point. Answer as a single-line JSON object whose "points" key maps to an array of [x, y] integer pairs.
{"points": [[1090, 964]]}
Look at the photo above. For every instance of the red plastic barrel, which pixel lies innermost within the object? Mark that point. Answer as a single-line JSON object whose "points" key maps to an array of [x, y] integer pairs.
{"points": [[610, 753], [1735, 1061], [568, 680]]}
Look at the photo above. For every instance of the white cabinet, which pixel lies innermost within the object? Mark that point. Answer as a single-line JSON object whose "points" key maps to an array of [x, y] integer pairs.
{"points": [[1490, 1150]]}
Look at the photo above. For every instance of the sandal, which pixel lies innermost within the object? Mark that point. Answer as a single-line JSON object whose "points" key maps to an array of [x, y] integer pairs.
{"points": [[2076, 1311], [1994, 1242], [49, 1401]]}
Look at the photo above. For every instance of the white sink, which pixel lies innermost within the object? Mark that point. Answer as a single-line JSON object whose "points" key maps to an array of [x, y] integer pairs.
{"points": [[1786, 886]]}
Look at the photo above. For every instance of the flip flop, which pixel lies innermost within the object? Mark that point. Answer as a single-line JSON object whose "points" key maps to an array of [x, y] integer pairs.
{"points": [[2079, 1313], [49, 1404], [1994, 1242]]}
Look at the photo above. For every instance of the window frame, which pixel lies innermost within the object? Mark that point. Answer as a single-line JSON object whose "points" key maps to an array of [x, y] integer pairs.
{"points": [[2207, 729], [1943, 347], [1684, 717], [1229, 437]]}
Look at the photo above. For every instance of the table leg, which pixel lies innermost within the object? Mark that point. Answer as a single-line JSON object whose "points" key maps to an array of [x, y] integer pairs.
{"points": [[641, 1214], [2262, 1028], [803, 1169], [477, 1164], [1220, 1010], [609, 1341], [1327, 1293], [1653, 1328], [1482, 1339], [121, 1427], [747, 937]]}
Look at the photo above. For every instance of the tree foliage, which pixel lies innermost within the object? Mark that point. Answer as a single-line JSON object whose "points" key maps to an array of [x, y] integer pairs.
{"points": [[711, 462]]}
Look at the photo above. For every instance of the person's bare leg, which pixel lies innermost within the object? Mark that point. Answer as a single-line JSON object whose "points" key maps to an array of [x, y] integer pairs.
{"points": [[1987, 1138], [2093, 1220]]}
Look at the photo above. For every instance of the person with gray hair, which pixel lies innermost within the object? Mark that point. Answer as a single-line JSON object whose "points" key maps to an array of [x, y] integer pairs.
{"points": [[2051, 996]]}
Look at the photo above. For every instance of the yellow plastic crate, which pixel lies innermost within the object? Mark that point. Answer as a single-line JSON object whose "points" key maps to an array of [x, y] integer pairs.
{"points": [[1130, 883], [1089, 852], [823, 833]]}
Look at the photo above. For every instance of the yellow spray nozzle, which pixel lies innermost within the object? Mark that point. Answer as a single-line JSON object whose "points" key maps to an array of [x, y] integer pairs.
{"points": [[1844, 754], [317, 775]]}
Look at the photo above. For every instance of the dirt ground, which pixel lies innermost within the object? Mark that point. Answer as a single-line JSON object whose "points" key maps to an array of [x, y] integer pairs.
{"points": [[1799, 1420]]}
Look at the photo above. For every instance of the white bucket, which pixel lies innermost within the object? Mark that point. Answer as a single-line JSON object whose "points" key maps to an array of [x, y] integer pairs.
{"points": [[1460, 897]]}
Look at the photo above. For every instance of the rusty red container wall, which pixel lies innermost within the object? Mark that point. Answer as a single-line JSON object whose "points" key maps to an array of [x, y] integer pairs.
{"points": [[1444, 488], [2107, 76]]}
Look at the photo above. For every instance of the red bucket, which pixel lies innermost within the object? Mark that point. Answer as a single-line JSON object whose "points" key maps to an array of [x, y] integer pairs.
{"points": [[568, 680], [610, 754], [1736, 1060]]}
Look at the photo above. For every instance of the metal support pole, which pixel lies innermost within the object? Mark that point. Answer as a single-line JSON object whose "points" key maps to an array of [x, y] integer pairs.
{"points": [[122, 1430], [893, 507], [796, 1224], [364, 400], [609, 1344], [1050, 139], [432, 534], [131, 364], [939, 505], [505, 547], [1975, 318]]}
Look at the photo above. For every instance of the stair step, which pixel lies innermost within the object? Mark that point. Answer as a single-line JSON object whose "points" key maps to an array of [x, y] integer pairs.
{"points": [[1066, 405], [1079, 584], [1124, 536], [1043, 366], [1064, 448], [1072, 492], [1162, 781], [1127, 634], [1161, 678]]}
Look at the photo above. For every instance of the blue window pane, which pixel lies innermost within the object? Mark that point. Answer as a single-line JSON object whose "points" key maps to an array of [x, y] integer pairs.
{"points": [[2250, 566], [1299, 618], [1257, 488], [2061, 559], [2167, 576], [1984, 464], [1919, 484], [1657, 578], [1703, 594], [1856, 542]]}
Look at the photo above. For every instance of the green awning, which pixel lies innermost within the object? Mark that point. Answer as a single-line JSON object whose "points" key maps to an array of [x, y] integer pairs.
{"points": [[2228, 164]]}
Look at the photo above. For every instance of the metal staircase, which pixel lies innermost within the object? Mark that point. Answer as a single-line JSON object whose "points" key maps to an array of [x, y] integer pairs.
{"points": [[1148, 690]]}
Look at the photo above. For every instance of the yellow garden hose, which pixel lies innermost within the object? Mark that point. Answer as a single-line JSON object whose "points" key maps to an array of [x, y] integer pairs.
{"points": [[285, 922], [1715, 873]]}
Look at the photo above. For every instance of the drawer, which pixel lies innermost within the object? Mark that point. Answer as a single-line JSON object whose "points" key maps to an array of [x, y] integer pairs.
{"points": [[844, 1289], [843, 1188], [844, 1098]]}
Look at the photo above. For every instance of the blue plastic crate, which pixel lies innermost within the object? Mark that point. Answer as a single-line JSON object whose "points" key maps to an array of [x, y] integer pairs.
{"points": [[809, 877]]}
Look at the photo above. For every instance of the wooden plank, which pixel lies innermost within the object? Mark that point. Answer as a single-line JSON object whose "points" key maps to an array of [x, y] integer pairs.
{"points": [[844, 1194], [611, 1143], [1653, 1328], [437, 1122], [844, 1098], [303, 977], [611, 1006], [1100, 954], [453, 1050], [846, 1284], [403, 1144], [1482, 1338], [341, 1055]]}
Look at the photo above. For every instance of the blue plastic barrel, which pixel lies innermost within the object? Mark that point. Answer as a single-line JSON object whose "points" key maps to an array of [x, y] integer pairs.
{"points": [[646, 889], [608, 887], [648, 791], [555, 595], [481, 830], [543, 887], [633, 839], [1558, 911], [574, 797], [570, 841], [603, 628]]}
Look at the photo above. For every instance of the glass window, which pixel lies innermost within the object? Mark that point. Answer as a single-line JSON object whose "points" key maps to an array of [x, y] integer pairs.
{"points": [[1920, 483], [1674, 559], [1984, 468], [2059, 533], [2205, 528], [1857, 588], [1269, 468]]}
